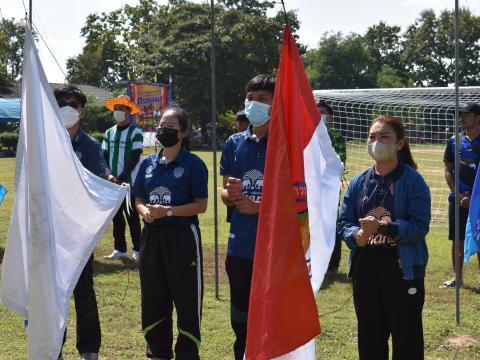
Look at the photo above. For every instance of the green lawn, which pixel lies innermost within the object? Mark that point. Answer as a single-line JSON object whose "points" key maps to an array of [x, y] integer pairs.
{"points": [[118, 293]]}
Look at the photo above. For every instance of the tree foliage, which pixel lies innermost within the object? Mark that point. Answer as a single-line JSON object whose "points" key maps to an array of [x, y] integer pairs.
{"points": [[12, 37], [423, 55], [340, 62], [429, 49], [151, 41]]}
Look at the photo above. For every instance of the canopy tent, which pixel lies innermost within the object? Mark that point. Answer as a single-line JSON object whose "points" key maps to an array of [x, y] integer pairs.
{"points": [[9, 110]]}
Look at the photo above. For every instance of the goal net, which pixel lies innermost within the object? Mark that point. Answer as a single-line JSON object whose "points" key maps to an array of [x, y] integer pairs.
{"points": [[429, 118]]}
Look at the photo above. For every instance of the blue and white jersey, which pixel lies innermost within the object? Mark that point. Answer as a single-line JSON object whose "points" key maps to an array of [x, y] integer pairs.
{"points": [[469, 161], [244, 158], [177, 183]]}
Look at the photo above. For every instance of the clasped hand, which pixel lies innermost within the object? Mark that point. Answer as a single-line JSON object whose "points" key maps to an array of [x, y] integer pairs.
{"points": [[369, 227], [243, 203], [154, 212]]}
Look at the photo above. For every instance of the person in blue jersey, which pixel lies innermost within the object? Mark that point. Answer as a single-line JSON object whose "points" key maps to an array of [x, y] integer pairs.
{"points": [[170, 191], [241, 124], [242, 165], [72, 107], [469, 164], [384, 219]]}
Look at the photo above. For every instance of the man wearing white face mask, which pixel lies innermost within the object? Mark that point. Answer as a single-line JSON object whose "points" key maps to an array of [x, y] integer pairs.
{"points": [[242, 165], [72, 107], [122, 147]]}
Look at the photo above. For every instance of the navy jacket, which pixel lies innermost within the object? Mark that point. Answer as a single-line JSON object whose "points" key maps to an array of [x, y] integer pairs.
{"points": [[89, 153]]}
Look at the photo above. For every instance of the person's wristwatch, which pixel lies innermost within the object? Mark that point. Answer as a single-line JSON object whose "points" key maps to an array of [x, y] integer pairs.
{"points": [[169, 212]]}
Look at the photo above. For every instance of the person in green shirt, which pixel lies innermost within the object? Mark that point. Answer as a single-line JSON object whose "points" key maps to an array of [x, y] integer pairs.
{"points": [[340, 146], [122, 147]]}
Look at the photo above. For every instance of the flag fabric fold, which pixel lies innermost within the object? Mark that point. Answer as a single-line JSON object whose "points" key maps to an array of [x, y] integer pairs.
{"points": [[472, 231], [60, 212], [296, 227]]}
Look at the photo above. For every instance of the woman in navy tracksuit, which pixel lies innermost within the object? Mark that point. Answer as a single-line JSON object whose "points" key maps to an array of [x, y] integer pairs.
{"points": [[384, 219], [170, 190]]}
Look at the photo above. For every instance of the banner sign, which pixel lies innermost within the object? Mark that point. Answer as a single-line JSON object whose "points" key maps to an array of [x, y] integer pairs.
{"points": [[152, 98]]}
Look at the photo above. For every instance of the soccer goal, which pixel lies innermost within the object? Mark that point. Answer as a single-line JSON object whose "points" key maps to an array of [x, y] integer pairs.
{"points": [[429, 117]]}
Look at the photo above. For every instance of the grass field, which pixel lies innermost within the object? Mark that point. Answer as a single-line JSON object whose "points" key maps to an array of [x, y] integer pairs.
{"points": [[118, 292]]}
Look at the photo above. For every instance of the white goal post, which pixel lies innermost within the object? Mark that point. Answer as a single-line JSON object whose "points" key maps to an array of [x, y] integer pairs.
{"points": [[428, 114]]}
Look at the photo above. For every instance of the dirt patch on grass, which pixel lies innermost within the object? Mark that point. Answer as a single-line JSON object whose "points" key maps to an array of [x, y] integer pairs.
{"points": [[463, 341]]}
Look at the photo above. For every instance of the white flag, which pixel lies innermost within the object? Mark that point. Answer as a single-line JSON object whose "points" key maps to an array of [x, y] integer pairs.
{"points": [[59, 214]]}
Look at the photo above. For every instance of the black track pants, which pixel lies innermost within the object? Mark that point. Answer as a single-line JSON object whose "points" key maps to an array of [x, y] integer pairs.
{"points": [[119, 227], [386, 304], [171, 274], [88, 323], [239, 273]]}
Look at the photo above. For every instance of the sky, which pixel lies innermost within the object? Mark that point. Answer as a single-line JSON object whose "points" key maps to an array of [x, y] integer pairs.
{"points": [[60, 21]]}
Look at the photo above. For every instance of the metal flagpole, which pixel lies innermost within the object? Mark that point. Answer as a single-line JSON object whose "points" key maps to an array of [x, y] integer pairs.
{"points": [[214, 143], [30, 13], [457, 178]]}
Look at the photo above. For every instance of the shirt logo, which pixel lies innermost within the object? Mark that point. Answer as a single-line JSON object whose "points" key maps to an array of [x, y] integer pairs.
{"points": [[253, 184], [178, 172], [160, 195], [380, 213], [148, 172]]}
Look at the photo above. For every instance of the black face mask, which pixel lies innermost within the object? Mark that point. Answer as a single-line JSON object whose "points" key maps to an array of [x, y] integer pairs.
{"points": [[168, 137]]}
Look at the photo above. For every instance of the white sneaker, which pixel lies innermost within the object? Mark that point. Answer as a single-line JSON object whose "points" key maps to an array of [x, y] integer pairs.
{"points": [[116, 255], [136, 256], [89, 356]]}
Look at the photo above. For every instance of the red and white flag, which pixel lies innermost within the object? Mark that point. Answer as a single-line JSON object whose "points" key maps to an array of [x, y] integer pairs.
{"points": [[296, 227]]}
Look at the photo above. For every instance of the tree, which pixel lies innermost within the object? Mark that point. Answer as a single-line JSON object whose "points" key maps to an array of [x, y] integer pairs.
{"points": [[388, 77], [429, 48], [12, 37], [153, 41], [249, 6], [340, 62], [384, 46], [104, 60]]}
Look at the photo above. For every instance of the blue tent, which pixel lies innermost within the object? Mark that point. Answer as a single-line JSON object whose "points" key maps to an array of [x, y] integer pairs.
{"points": [[9, 110]]}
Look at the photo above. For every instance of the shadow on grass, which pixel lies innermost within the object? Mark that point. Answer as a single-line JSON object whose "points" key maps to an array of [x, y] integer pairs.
{"points": [[475, 289], [337, 278], [113, 267], [2, 251]]}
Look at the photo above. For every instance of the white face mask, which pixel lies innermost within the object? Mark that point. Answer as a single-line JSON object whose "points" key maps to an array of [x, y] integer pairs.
{"points": [[70, 116], [382, 152], [119, 116], [257, 112]]}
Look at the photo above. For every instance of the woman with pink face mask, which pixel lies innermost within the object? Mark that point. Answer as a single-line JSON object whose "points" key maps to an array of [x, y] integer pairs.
{"points": [[384, 219]]}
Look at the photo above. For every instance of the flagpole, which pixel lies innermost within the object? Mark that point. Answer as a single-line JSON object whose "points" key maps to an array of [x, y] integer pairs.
{"points": [[30, 13], [285, 13], [214, 144], [457, 178]]}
